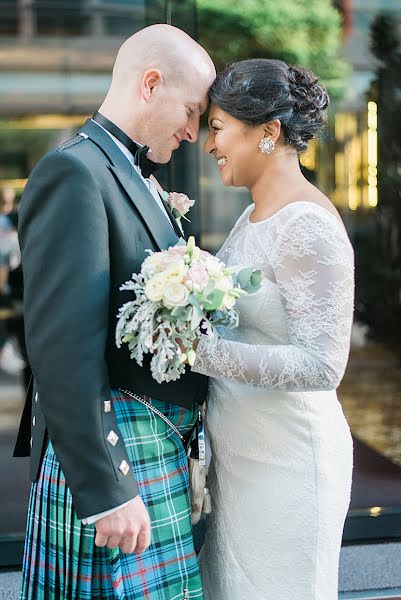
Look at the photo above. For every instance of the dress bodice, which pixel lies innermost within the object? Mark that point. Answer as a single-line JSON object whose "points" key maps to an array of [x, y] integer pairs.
{"points": [[293, 333]]}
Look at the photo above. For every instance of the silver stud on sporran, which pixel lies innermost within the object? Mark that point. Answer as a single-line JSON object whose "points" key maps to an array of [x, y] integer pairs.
{"points": [[266, 145]]}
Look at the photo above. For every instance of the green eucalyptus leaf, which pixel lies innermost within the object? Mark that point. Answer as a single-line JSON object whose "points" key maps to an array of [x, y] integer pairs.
{"points": [[214, 300], [183, 313], [244, 276], [256, 279]]}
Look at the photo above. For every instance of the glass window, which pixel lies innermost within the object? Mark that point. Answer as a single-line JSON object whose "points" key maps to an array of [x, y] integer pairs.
{"points": [[61, 17], [8, 21]]}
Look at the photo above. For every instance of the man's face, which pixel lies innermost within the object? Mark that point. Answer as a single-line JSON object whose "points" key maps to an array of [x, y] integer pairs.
{"points": [[174, 117]]}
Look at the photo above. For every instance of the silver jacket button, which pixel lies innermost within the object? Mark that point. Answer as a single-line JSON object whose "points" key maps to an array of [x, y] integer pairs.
{"points": [[34, 421], [107, 406], [31, 442], [36, 397], [112, 438], [124, 467]]}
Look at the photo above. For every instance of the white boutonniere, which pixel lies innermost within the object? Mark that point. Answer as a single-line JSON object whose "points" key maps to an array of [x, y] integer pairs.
{"points": [[179, 204]]}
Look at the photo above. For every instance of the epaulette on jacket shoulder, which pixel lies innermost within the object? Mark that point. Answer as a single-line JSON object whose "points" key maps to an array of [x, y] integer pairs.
{"points": [[75, 140]]}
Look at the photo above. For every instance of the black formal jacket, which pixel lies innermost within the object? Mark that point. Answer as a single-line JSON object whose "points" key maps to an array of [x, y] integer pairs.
{"points": [[86, 219]]}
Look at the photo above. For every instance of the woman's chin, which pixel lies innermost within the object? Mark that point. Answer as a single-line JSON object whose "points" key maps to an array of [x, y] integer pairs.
{"points": [[226, 178]]}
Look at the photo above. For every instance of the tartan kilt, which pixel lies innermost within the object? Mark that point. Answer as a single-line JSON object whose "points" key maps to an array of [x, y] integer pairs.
{"points": [[61, 561]]}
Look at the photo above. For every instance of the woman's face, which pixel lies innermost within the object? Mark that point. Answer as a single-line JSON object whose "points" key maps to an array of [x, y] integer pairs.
{"points": [[235, 146]]}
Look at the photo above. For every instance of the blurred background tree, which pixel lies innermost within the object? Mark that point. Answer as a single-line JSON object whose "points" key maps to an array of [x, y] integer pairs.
{"points": [[306, 32], [378, 248]]}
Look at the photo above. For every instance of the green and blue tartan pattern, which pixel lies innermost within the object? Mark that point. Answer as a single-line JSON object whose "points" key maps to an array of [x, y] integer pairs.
{"points": [[61, 561]]}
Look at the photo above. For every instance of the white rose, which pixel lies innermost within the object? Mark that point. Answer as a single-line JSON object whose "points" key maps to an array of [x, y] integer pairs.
{"points": [[213, 265], [155, 287], [228, 302], [175, 294], [224, 284], [176, 271], [151, 264]]}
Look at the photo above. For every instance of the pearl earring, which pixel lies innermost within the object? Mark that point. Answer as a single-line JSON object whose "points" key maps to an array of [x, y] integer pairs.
{"points": [[266, 145]]}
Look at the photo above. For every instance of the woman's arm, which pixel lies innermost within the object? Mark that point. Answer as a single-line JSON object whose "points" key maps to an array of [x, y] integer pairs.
{"points": [[312, 261]]}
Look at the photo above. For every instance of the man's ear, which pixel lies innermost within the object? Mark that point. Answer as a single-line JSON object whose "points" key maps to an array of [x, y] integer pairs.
{"points": [[151, 81], [272, 129]]}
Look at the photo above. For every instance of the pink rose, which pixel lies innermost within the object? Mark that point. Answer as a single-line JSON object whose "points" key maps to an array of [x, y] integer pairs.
{"points": [[177, 250], [199, 276], [180, 202], [168, 260]]}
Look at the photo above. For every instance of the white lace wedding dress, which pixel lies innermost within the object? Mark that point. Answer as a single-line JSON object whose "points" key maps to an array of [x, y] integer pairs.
{"points": [[280, 475]]}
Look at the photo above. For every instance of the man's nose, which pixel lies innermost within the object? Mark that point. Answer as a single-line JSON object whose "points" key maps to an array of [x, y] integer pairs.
{"points": [[192, 130]]}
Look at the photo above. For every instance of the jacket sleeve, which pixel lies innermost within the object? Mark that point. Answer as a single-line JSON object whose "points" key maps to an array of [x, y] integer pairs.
{"points": [[63, 231]]}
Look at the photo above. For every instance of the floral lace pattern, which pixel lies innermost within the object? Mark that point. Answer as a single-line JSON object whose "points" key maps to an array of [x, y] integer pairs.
{"points": [[306, 252]]}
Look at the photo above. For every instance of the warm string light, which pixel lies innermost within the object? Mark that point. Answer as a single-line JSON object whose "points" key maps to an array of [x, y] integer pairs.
{"points": [[372, 153]]}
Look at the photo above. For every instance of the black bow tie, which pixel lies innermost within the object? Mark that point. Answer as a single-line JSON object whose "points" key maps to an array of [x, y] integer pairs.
{"points": [[146, 165]]}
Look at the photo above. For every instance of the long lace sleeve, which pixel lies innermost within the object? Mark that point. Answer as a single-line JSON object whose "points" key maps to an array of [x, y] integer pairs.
{"points": [[312, 261]]}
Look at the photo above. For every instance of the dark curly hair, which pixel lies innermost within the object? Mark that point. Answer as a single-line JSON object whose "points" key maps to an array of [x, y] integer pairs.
{"points": [[259, 90]]}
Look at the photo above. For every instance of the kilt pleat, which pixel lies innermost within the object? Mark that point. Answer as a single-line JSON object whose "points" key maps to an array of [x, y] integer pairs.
{"points": [[61, 561]]}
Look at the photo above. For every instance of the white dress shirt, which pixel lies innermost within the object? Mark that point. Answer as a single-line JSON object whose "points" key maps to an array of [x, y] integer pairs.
{"points": [[153, 190], [148, 182]]}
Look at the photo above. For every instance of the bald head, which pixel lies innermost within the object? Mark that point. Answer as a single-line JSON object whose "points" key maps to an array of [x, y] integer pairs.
{"points": [[159, 88], [161, 47]]}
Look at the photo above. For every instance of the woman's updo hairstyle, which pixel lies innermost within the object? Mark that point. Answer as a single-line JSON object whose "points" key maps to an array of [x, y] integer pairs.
{"points": [[259, 90]]}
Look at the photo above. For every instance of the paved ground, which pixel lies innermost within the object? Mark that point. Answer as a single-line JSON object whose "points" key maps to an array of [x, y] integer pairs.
{"points": [[375, 568]]}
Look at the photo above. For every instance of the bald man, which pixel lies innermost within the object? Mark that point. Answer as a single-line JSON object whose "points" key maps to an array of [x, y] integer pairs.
{"points": [[109, 514]]}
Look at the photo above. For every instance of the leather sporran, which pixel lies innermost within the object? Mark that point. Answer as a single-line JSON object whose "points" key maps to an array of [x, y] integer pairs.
{"points": [[199, 492]]}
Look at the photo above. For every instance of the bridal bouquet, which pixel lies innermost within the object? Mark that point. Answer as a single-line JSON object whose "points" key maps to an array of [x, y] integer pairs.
{"points": [[179, 294]]}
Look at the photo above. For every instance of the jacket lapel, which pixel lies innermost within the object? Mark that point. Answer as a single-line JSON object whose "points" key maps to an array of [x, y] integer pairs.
{"points": [[161, 230], [162, 233]]}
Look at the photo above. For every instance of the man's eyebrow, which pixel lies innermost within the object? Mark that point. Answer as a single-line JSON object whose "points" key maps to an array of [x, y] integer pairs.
{"points": [[201, 108]]}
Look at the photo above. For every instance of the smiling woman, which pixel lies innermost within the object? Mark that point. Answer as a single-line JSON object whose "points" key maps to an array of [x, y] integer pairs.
{"points": [[273, 411]]}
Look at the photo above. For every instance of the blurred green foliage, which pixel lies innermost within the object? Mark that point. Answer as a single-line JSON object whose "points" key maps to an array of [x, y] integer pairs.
{"points": [[305, 32]]}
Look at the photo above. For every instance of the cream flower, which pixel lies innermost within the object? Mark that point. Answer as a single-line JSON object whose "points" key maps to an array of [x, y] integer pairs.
{"points": [[175, 294], [151, 265], [155, 287], [228, 302], [176, 271], [212, 264], [224, 284]]}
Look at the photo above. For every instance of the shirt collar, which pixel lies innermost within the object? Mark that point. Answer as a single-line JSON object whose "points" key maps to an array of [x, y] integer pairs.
{"points": [[123, 148]]}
